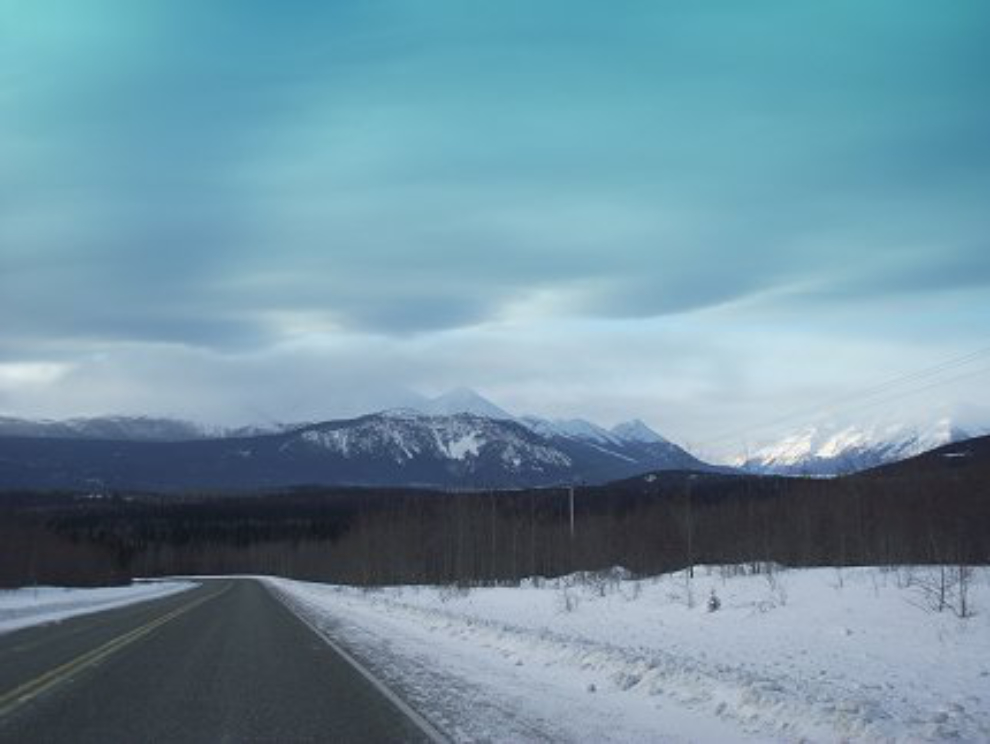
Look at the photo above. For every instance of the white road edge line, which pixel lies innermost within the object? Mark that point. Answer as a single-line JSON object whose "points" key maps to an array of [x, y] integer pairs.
{"points": [[431, 732]]}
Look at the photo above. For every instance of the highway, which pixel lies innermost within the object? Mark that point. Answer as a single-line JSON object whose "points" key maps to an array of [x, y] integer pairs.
{"points": [[225, 662]]}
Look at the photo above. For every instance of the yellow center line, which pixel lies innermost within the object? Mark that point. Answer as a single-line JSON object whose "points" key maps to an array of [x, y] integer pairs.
{"points": [[21, 694]]}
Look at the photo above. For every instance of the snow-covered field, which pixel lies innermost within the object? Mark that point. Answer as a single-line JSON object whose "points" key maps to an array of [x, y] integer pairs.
{"points": [[819, 655], [20, 608]]}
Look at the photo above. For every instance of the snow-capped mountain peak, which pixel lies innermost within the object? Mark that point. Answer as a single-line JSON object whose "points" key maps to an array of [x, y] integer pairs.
{"points": [[469, 448], [636, 431], [463, 445], [483, 447], [570, 428], [830, 450], [463, 400]]}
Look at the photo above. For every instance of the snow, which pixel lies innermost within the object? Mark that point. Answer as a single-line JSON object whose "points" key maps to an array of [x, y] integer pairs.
{"points": [[388, 434], [21, 608], [468, 444], [335, 440], [629, 432], [463, 400], [580, 429], [843, 441], [404, 435], [790, 450], [636, 431], [830, 450], [817, 655]]}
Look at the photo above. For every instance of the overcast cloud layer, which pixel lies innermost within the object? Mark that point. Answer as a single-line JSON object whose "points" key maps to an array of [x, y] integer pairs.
{"points": [[704, 215]]}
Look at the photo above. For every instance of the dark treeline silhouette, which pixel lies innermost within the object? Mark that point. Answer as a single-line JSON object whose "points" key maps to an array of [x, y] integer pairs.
{"points": [[934, 509]]}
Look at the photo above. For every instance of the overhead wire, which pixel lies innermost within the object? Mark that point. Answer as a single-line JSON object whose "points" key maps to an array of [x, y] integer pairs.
{"points": [[878, 391]]}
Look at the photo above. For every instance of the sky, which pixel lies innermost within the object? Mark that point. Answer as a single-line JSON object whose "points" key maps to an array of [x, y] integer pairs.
{"points": [[710, 216]]}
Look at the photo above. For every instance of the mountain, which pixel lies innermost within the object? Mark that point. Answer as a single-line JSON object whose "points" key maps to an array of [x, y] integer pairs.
{"points": [[458, 439], [966, 459], [392, 448], [462, 400], [632, 441], [570, 428], [824, 451], [130, 428], [259, 430], [636, 431]]}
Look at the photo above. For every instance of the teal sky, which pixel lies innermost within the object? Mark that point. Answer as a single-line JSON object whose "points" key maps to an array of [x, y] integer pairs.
{"points": [[701, 214]]}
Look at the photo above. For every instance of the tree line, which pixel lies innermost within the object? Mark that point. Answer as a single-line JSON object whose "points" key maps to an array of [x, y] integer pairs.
{"points": [[937, 514]]}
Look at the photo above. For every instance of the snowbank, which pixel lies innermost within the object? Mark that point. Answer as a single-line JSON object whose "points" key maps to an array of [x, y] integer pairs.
{"points": [[20, 608], [812, 654]]}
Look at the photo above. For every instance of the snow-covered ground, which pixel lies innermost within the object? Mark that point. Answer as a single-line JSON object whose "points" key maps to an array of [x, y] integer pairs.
{"points": [[20, 608], [819, 655]]}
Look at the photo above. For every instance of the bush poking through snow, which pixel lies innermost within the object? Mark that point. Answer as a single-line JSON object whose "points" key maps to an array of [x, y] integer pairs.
{"points": [[778, 592], [714, 603], [941, 588], [450, 592], [567, 601]]}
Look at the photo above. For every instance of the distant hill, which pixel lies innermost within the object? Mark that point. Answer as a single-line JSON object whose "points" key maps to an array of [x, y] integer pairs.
{"points": [[969, 456], [458, 440], [394, 448], [128, 428], [824, 451]]}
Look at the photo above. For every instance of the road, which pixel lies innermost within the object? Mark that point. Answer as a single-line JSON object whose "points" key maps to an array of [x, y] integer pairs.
{"points": [[225, 662]]}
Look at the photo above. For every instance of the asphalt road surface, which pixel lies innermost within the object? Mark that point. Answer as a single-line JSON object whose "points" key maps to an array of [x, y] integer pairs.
{"points": [[222, 663]]}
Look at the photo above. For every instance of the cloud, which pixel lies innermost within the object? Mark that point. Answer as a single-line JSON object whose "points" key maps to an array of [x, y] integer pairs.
{"points": [[211, 182], [422, 168], [710, 381]]}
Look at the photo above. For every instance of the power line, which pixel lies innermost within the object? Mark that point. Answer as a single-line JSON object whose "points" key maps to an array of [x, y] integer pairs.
{"points": [[880, 389], [930, 386]]}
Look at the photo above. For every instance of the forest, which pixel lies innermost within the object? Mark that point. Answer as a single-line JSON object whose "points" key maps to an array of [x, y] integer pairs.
{"points": [[932, 509]]}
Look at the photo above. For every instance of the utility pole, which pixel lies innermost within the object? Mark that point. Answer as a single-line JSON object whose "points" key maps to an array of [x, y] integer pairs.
{"points": [[690, 530], [570, 491], [491, 497]]}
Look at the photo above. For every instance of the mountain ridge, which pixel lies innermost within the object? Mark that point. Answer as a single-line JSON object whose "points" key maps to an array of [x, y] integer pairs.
{"points": [[400, 447], [457, 439], [831, 450]]}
